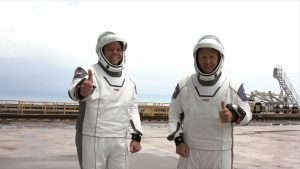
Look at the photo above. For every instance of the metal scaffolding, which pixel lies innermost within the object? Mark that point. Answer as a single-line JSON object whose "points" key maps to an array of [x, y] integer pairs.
{"points": [[286, 86]]}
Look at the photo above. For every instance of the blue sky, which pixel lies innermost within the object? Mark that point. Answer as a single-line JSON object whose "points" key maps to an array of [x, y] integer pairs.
{"points": [[42, 42]]}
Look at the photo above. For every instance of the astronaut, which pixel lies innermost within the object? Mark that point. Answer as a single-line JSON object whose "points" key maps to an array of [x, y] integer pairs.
{"points": [[107, 108], [204, 108]]}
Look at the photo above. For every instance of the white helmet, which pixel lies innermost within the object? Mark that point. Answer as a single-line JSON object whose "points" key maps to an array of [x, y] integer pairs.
{"points": [[209, 41], [104, 39]]}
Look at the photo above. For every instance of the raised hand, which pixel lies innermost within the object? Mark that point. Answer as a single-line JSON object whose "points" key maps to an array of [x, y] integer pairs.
{"points": [[87, 86], [225, 114]]}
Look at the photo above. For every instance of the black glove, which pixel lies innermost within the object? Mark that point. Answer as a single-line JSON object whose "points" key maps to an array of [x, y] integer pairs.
{"points": [[238, 113], [136, 137], [178, 140]]}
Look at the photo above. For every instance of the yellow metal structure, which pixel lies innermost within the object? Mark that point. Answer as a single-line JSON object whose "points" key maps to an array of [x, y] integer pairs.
{"points": [[10, 108], [153, 110]]}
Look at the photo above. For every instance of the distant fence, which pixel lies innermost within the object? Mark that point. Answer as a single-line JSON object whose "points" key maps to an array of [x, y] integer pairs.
{"points": [[17, 108], [41, 109], [69, 110]]}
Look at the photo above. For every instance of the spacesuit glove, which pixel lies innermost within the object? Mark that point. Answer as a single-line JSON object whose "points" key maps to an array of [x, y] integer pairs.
{"points": [[77, 89], [136, 137], [238, 113], [178, 140]]}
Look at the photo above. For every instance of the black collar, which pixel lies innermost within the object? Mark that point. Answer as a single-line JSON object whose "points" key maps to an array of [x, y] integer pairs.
{"points": [[110, 73], [211, 82]]}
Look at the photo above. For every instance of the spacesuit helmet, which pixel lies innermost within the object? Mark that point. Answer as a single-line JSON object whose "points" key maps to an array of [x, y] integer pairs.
{"points": [[209, 41], [104, 39]]}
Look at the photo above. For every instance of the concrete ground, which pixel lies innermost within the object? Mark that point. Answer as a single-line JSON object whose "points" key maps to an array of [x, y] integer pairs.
{"points": [[140, 161], [50, 145]]}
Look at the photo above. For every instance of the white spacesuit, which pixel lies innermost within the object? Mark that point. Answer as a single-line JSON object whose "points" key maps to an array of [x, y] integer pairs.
{"points": [[108, 113], [194, 113]]}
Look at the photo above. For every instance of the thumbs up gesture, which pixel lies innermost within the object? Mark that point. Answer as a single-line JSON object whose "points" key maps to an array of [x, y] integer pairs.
{"points": [[87, 86], [225, 114]]}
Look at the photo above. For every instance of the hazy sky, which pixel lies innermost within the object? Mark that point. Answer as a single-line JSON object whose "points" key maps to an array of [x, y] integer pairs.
{"points": [[42, 42]]}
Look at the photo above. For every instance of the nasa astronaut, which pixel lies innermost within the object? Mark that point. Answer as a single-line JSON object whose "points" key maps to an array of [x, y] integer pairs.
{"points": [[204, 108], [107, 108]]}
